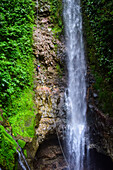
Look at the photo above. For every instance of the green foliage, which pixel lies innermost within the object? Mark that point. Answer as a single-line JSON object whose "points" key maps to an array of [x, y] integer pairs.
{"points": [[16, 22], [56, 16], [23, 109], [7, 150], [25, 153], [59, 70], [21, 143], [98, 24], [105, 96], [16, 69], [99, 15], [1, 119]]}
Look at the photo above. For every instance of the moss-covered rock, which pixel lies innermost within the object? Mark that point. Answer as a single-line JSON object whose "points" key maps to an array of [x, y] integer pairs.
{"points": [[21, 143], [7, 150], [23, 122]]}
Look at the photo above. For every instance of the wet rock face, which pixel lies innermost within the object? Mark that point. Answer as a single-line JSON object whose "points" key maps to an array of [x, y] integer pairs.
{"points": [[50, 107], [49, 50], [45, 103], [49, 86], [50, 80], [52, 117], [101, 131], [100, 126]]}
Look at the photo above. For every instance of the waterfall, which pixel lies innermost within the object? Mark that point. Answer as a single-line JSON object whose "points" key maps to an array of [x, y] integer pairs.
{"points": [[76, 93]]}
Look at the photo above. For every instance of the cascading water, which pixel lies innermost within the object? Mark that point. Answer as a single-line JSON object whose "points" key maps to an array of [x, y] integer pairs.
{"points": [[75, 98]]}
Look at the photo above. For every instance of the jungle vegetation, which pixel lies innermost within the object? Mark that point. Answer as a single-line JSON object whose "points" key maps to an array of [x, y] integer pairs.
{"points": [[16, 75], [98, 28]]}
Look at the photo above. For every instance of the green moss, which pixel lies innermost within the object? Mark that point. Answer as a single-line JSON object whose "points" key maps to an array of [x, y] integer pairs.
{"points": [[100, 18], [21, 143], [16, 75], [6, 135], [16, 56], [23, 121], [105, 95], [59, 70], [25, 153], [95, 38], [1, 119], [7, 150], [56, 16], [56, 30]]}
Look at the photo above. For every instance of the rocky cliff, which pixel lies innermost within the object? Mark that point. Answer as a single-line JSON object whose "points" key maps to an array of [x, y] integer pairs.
{"points": [[44, 151], [100, 125]]}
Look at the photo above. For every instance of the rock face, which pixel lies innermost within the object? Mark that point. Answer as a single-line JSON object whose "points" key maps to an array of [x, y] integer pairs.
{"points": [[100, 126], [49, 89], [46, 102], [49, 156], [101, 129]]}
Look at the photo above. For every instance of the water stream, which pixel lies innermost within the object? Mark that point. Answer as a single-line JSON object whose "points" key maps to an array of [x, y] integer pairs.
{"points": [[76, 93], [20, 161], [21, 158]]}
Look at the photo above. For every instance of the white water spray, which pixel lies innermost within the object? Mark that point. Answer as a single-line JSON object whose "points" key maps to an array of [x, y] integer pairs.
{"points": [[75, 98]]}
